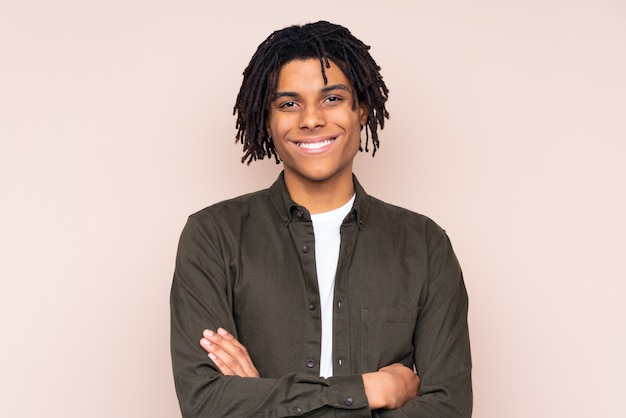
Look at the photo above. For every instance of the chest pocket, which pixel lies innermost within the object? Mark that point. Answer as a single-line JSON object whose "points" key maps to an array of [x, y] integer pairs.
{"points": [[387, 336]]}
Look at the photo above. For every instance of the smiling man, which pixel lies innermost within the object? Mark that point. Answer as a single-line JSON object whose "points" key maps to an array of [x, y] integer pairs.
{"points": [[313, 298], [315, 126]]}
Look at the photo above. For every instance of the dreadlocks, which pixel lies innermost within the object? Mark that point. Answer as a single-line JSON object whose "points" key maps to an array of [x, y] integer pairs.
{"points": [[322, 40]]}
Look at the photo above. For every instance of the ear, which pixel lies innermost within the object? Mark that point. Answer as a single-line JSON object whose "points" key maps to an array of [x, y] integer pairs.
{"points": [[268, 129], [363, 114]]}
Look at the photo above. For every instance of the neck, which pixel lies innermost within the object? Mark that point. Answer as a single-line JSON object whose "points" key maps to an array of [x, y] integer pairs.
{"points": [[320, 196]]}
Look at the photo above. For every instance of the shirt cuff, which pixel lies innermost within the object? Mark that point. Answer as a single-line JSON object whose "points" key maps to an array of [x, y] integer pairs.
{"points": [[348, 393]]}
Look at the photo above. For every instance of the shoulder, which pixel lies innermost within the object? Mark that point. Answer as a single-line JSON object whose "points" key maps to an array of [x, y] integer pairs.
{"points": [[402, 226], [235, 207], [229, 216], [382, 216], [405, 229], [381, 212]]}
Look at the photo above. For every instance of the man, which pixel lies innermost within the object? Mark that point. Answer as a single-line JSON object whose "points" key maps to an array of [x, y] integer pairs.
{"points": [[312, 298]]}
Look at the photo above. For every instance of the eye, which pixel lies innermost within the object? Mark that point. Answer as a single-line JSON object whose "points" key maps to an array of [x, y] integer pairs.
{"points": [[287, 105], [333, 100]]}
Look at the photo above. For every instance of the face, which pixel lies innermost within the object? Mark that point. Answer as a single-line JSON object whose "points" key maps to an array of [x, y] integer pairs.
{"points": [[314, 126]]}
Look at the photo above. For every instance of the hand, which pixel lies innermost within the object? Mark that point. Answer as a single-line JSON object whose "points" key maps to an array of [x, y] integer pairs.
{"points": [[228, 354], [391, 386]]}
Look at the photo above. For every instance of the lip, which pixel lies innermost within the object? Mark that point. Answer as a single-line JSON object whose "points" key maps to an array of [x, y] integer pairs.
{"points": [[315, 145]]}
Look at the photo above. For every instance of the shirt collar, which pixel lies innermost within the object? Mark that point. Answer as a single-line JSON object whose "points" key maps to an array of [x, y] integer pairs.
{"points": [[289, 211]]}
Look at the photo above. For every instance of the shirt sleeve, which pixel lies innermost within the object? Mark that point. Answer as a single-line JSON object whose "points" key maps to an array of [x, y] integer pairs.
{"points": [[200, 298], [442, 349]]}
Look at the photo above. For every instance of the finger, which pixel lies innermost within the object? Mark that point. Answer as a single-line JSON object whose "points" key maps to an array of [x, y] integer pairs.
{"points": [[230, 352], [226, 342], [219, 357], [226, 371], [210, 348], [228, 362], [230, 339], [238, 352]]}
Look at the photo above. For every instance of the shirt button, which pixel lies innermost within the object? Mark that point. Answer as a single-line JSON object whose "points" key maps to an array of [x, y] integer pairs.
{"points": [[340, 362], [348, 401], [312, 306], [300, 214], [306, 248], [310, 364], [340, 304], [297, 411]]}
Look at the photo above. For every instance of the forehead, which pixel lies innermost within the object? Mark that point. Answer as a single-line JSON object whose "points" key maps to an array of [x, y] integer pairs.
{"points": [[307, 73]]}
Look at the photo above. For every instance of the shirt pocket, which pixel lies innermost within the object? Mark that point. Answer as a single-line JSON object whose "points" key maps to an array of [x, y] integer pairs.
{"points": [[387, 336]]}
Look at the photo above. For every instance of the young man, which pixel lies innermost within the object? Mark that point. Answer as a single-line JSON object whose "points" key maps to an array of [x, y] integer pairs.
{"points": [[311, 297]]}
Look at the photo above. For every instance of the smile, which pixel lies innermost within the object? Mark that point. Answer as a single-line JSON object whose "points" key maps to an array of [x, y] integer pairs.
{"points": [[315, 145]]}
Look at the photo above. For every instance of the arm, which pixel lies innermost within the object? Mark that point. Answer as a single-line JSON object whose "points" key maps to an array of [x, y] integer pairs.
{"points": [[441, 341], [200, 298], [389, 388]]}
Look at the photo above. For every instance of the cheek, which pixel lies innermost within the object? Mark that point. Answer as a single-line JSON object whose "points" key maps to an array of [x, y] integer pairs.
{"points": [[356, 125], [279, 127], [278, 144], [271, 124]]}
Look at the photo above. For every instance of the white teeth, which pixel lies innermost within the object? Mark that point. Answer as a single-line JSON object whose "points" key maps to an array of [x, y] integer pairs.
{"points": [[314, 145]]}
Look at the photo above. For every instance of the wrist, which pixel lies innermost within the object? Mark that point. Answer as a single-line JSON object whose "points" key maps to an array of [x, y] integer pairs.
{"points": [[374, 385]]}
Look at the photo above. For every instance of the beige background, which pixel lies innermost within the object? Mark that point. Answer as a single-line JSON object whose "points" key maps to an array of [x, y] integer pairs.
{"points": [[508, 128]]}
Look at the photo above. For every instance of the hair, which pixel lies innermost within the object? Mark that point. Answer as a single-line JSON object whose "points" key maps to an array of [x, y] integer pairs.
{"points": [[326, 42]]}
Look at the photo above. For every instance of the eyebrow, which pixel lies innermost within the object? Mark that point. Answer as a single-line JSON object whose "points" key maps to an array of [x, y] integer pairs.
{"points": [[326, 89], [335, 87]]}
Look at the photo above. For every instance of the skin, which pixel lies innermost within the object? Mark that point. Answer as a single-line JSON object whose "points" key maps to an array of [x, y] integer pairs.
{"points": [[388, 388], [316, 131]]}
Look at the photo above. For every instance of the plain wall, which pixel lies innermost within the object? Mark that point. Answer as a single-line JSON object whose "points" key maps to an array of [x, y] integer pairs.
{"points": [[508, 127]]}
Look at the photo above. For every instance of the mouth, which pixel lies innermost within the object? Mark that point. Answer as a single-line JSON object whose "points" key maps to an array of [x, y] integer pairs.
{"points": [[315, 145]]}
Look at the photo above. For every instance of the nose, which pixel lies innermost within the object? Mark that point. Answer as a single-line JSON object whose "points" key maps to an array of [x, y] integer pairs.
{"points": [[312, 117]]}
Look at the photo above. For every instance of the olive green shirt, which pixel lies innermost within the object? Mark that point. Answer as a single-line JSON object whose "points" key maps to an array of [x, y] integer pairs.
{"points": [[248, 265]]}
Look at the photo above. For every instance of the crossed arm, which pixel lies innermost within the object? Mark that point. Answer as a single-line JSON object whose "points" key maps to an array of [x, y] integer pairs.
{"points": [[199, 299], [389, 388]]}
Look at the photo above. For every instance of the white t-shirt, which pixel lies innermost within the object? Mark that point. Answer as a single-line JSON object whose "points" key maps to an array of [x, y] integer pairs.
{"points": [[327, 242]]}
